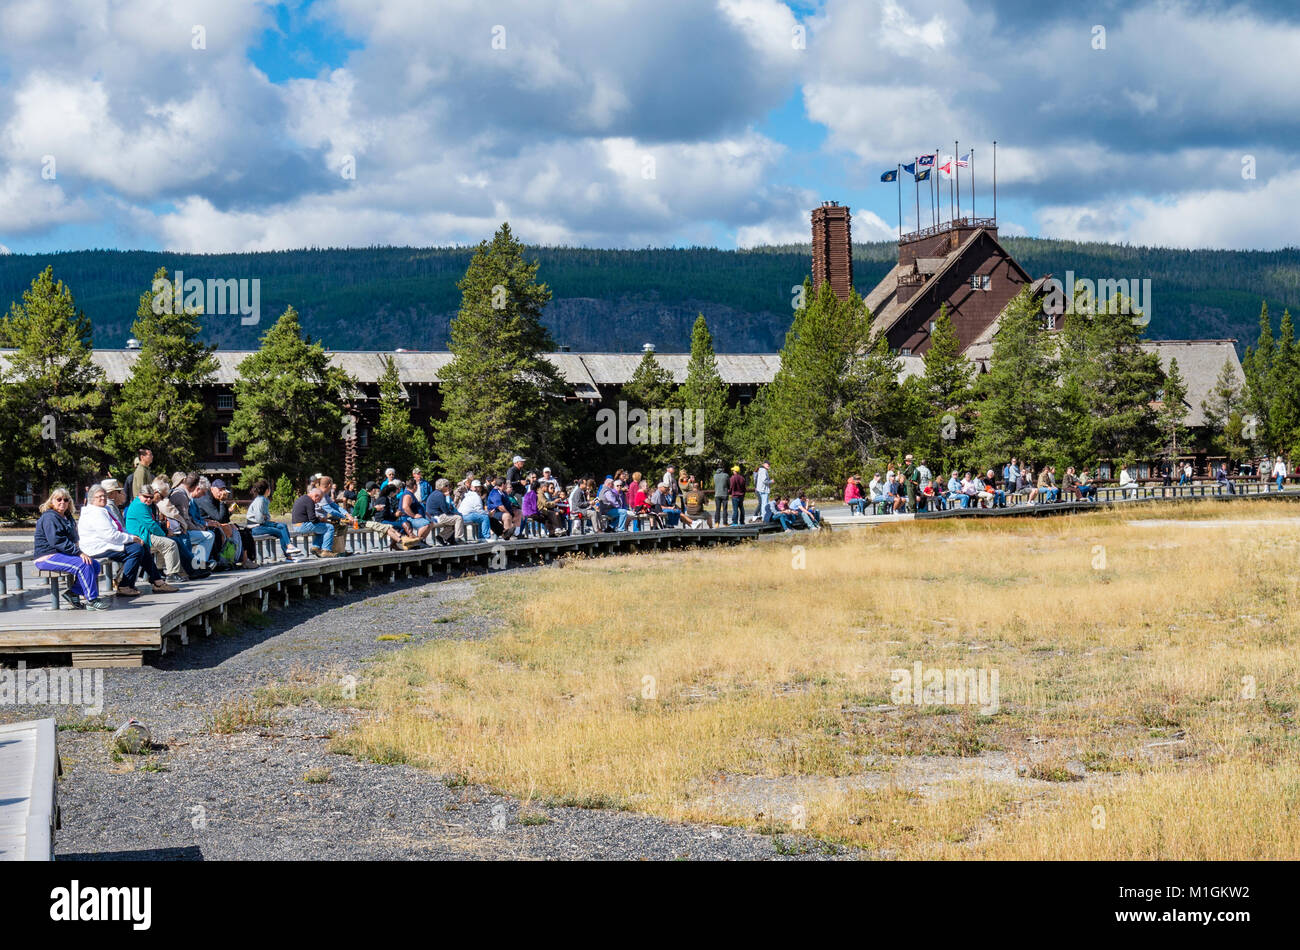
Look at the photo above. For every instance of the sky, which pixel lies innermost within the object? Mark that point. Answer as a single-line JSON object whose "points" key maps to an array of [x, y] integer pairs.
{"points": [[237, 125]]}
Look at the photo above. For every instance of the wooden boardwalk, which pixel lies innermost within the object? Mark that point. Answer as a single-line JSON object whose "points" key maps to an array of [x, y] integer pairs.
{"points": [[121, 635], [29, 769]]}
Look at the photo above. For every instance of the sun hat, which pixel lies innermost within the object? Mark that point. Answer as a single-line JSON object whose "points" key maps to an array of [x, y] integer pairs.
{"points": [[111, 484]]}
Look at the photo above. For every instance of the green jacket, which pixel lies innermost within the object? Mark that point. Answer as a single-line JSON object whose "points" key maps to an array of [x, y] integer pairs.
{"points": [[140, 521]]}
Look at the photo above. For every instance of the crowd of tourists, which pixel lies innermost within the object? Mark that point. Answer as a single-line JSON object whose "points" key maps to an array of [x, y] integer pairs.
{"points": [[182, 528], [911, 486]]}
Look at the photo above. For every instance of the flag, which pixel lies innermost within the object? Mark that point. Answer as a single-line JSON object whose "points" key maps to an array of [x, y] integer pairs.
{"points": [[925, 161], [923, 175], [946, 167], [964, 161], [891, 175], [910, 168]]}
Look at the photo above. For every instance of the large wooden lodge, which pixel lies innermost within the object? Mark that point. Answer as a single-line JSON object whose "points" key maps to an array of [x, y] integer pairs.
{"points": [[959, 264]]}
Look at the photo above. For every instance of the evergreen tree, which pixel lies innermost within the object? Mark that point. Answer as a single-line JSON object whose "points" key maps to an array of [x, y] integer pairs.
{"points": [[53, 390], [1172, 417], [835, 402], [501, 395], [1120, 381], [944, 392], [161, 404], [282, 498], [1284, 384], [289, 411], [704, 392], [396, 441], [1257, 365], [650, 389], [1223, 409], [1017, 400]]}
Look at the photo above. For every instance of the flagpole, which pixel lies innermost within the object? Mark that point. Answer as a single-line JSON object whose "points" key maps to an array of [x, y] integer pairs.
{"points": [[952, 171], [995, 182], [917, 188], [898, 177], [938, 210], [972, 182], [956, 171]]}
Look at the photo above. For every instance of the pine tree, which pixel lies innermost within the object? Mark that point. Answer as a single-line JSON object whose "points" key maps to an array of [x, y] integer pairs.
{"points": [[161, 404], [1284, 384], [1172, 417], [835, 402], [704, 391], [53, 391], [289, 411], [501, 395], [944, 391], [1257, 365], [396, 441], [650, 389], [1223, 410], [1017, 400], [282, 497]]}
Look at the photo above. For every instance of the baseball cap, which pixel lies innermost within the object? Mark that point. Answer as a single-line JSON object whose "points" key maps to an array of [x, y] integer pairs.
{"points": [[476, 484], [218, 483], [735, 468], [517, 458]]}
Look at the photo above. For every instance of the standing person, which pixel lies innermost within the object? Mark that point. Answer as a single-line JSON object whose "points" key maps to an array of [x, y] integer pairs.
{"points": [[58, 548], [1279, 472], [736, 490], [141, 476], [103, 535], [911, 482], [720, 486], [142, 521], [763, 489], [515, 482]]}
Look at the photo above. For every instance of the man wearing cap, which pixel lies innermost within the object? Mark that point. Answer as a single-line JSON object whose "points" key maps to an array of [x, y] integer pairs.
{"points": [[548, 480], [515, 477], [419, 486], [116, 497], [472, 511], [763, 488], [736, 490]]}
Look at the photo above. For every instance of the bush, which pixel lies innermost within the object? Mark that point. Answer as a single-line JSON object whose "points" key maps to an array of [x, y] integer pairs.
{"points": [[282, 497]]}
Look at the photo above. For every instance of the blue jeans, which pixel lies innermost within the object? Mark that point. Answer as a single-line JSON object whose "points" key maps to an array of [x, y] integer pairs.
{"points": [[133, 557], [856, 505], [323, 530], [763, 497], [1280, 480], [202, 542], [272, 529], [737, 509], [479, 520], [619, 516]]}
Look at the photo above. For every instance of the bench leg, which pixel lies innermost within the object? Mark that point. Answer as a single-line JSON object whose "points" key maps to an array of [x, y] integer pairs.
{"points": [[54, 593]]}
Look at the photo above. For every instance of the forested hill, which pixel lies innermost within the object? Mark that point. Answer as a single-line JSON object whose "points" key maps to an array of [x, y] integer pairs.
{"points": [[607, 300]]}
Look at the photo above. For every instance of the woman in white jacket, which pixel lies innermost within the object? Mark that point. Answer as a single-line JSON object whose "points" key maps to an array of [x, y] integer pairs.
{"points": [[103, 536]]}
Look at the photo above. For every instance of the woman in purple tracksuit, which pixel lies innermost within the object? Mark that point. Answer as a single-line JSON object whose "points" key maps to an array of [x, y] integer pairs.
{"points": [[57, 548]]}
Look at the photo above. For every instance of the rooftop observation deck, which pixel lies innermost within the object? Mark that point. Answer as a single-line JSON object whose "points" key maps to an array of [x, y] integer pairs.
{"points": [[956, 224]]}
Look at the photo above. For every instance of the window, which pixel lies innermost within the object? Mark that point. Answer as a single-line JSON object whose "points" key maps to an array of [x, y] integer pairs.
{"points": [[932, 326], [25, 497], [905, 351], [414, 392], [981, 282], [221, 444], [225, 400], [363, 438]]}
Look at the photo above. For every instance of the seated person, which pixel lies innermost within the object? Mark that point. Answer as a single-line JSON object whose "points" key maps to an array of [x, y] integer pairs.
{"points": [[304, 518], [102, 535], [956, 497], [58, 548], [694, 506], [805, 509], [501, 510], [663, 507], [472, 511], [142, 521], [448, 525], [203, 540], [611, 505], [994, 495], [853, 496], [1046, 491], [260, 524], [410, 515], [1087, 490]]}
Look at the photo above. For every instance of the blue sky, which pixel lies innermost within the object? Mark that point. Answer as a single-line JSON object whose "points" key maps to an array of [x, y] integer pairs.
{"points": [[229, 125]]}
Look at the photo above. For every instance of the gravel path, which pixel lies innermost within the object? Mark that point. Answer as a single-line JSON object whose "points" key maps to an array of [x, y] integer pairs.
{"points": [[242, 796]]}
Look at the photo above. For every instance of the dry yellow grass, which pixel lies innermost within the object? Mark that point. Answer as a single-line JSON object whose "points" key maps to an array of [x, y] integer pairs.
{"points": [[1156, 665]]}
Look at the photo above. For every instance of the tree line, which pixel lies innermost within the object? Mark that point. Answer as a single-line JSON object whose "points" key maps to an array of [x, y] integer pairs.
{"points": [[1084, 393]]}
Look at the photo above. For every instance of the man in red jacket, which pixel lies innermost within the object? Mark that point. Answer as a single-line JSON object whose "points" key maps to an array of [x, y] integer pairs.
{"points": [[736, 490]]}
